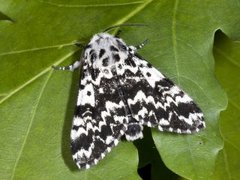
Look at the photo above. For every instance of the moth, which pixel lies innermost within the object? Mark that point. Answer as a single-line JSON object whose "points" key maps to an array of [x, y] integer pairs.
{"points": [[120, 93]]}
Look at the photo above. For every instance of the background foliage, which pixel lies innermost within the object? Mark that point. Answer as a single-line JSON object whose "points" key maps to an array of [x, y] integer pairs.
{"points": [[37, 103]]}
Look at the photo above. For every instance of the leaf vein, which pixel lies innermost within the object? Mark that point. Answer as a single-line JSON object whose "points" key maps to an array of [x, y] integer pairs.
{"points": [[90, 5], [30, 124], [35, 77], [174, 38], [35, 49], [133, 13]]}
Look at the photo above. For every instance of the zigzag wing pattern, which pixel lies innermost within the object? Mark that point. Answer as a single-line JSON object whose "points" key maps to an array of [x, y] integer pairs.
{"points": [[99, 121], [119, 93], [156, 101]]}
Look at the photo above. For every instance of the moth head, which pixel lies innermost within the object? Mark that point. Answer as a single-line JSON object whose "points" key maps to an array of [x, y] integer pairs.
{"points": [[105, 40]]}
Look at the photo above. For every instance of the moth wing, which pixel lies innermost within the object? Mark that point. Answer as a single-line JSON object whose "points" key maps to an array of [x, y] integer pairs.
{"points": [[156, 101], [99, 119]]}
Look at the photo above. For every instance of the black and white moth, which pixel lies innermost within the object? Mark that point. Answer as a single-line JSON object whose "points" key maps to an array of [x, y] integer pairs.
{"points": [[119, 93]]}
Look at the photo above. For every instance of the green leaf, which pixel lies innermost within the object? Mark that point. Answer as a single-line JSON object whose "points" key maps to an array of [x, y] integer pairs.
{"points": [[37, 103], [191, 65], [227, 55]]}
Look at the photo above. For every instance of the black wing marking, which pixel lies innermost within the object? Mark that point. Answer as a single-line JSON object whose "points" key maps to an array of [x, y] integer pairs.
{"points": [[155, 101], [99, 120]]}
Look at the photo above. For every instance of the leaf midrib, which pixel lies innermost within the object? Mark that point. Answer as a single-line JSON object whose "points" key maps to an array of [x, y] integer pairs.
{"points": [[35, 49], [36, 77], [174, 39], [90, 5]]}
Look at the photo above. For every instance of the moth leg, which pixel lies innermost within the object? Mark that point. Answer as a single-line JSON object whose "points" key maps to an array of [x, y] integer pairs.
{"points": [[70, 67], [140, 46], [133, 49], [73, 66]]}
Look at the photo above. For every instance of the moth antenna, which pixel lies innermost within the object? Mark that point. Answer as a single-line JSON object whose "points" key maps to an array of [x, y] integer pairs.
{"points": [[124, 25]]}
